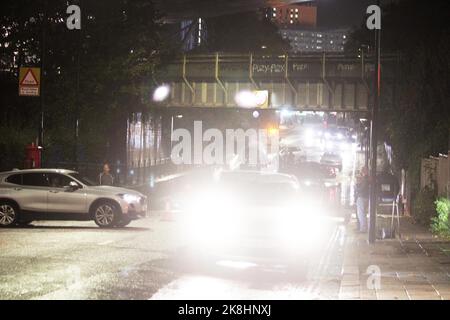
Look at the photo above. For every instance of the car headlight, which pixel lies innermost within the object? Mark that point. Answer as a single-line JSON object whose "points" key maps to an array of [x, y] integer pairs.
{"points": [[129, 198]]}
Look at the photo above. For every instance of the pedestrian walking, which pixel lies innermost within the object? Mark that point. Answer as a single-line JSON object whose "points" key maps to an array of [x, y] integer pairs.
{"points": [[106, 178], [362, 198]]}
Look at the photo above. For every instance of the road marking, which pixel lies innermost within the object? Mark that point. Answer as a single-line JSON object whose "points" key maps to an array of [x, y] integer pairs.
{"points": [[104, 243]]}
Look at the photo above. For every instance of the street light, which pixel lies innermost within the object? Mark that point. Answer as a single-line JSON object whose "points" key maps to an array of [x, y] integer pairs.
{"points": [[161, 93], [373, 138], [245, 99]]}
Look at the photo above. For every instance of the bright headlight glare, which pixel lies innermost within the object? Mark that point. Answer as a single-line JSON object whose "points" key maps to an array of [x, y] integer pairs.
{"points": [[129, 198], [299, 231], [209, 220]]}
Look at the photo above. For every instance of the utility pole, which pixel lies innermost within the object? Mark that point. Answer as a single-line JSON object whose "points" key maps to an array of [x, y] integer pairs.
{"points": [[77, 98], [43, 75], [373, 138]]}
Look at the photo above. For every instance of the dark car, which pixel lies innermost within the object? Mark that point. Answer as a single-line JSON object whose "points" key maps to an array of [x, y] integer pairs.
{"points": [[319, 182], [251, 214]]}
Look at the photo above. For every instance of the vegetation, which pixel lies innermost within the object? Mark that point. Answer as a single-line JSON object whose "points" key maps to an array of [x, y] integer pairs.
{"points": [[243, 33], [416, 121], [440, 223], [97, 74], [423, 208]]}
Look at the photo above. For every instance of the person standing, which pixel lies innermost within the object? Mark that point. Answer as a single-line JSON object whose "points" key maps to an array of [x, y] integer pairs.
{"points": [[362, 198], [106, 178]]}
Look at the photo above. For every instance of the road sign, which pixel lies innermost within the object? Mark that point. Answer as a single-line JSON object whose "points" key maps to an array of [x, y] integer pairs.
{"points": [[29, 81]]}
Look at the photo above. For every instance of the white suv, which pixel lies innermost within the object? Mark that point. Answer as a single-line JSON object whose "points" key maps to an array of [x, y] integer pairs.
{"points": [[54, 194]]}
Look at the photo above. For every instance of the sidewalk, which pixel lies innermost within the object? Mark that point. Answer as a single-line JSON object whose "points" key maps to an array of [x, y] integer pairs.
{"points": [[415, 267]]}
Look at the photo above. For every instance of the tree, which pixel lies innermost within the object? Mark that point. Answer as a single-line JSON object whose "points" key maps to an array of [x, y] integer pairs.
{"points": [[418, 124], [97, 74], [243, 33]]}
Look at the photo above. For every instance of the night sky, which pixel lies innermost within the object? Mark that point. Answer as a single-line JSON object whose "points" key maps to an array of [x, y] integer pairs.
{"points": [[342, 13]]}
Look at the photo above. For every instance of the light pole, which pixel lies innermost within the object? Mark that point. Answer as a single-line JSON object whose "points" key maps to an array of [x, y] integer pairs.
{"points": [[373, 138]]}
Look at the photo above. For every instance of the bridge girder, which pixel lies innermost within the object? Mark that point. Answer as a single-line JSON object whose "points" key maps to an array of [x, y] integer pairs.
{"points": [[307, 82]]}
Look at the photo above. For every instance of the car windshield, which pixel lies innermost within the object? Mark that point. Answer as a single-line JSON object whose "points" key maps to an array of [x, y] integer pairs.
{"points": [[83, 180]]}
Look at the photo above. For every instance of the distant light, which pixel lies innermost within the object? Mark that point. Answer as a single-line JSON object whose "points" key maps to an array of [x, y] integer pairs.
{"points": [[161, 93], [245, 99], [255, 114], [179, 116], [252, 99], [286, 113], [272, 131]]}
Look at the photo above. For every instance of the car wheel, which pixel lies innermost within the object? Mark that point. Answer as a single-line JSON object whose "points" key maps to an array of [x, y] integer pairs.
{"points": [[123, 222], [9, 214], [106, 214]]}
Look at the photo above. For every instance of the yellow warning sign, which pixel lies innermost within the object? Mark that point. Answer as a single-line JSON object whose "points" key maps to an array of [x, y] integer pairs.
{"points": [[29, 81]]}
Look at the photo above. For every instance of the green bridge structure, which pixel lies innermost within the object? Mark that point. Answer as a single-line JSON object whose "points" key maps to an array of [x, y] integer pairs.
{"points": [[315, 82]]}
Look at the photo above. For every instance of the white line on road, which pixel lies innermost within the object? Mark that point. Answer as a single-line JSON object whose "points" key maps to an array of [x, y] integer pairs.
{"points": [[104, 243]]}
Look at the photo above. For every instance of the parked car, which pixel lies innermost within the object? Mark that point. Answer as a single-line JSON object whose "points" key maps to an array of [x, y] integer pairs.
{"points": [[56, 194]]}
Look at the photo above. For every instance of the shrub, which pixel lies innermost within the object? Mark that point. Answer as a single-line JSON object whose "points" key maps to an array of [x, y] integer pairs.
{"points": [[423, 206], [440, 224]]}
